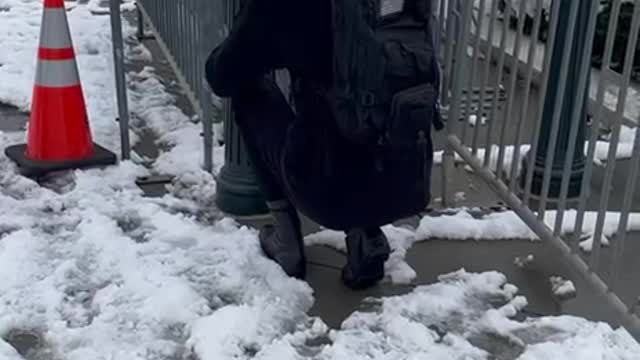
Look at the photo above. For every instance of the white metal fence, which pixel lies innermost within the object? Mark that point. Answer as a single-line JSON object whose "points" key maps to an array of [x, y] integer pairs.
{"points": [[187, 31], [480, 51], [496, 72]]}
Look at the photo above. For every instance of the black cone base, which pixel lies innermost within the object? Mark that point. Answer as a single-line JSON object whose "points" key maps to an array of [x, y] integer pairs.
{"points": [[36, 168]]}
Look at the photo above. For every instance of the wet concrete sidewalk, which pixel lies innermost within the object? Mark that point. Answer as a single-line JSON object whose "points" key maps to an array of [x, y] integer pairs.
{"points": [[431, 258], [434, 257]]}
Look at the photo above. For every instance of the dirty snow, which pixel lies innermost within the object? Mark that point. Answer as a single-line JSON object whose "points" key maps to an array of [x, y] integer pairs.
{"points": [[522, 262], [98, 271], [461, 316]]}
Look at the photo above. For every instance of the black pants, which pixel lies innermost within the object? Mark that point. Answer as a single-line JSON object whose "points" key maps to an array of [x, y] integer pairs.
{"points": [[264, 117], [303, 158]]}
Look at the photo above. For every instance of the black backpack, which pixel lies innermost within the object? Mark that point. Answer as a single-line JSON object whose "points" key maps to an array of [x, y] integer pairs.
{"points": [[386, 76]]}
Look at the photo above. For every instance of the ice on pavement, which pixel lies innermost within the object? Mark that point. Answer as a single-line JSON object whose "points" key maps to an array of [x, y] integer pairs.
{"points": [[98, 271]]}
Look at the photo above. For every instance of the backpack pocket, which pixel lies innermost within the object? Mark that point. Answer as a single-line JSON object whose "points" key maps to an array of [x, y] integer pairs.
{"points": [[413, 111], [408, 64]]}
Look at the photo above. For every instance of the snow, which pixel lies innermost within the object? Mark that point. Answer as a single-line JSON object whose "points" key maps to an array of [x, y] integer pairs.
{"points": [[98, 271], [98, 7], [80, 272], [624, 150], [562, 288], [7, 352], [331, 238], [95, 268], [522, 262], [450, 319], [156, 109], [585, 341], [473, 120]]}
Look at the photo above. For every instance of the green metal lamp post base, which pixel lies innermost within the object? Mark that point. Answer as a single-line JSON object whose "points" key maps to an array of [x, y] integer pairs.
{"points": [[237, 190], [570, 96], [575, 179], [238, 194]]}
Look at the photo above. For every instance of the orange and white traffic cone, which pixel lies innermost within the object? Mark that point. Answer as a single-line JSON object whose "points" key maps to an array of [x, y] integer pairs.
{"points": [[59, 135]]}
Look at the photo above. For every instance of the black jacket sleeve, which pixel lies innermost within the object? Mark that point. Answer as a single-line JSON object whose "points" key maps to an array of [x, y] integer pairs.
{"points": [[248, 53]]}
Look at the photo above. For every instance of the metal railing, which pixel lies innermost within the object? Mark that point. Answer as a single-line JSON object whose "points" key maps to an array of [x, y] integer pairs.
{"points": [[187, 31], [553, 167], [533, 95], [490, 36]]}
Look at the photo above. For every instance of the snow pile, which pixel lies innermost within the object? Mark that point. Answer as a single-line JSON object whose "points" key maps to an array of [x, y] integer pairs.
{"points": [[507, 225], [7, 352], [562, 288], [463, 316], [102, 271]]}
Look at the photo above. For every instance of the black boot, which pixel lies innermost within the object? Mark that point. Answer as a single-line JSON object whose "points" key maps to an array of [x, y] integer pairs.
{"points": [[282, 242], [367, 251]]}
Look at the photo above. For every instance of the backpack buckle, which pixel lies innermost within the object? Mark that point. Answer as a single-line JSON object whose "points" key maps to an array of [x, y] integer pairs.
{"points": [[367, 99]]}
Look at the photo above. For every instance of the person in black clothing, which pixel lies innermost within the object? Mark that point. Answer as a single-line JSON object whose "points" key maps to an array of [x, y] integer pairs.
{"points": [[301, 160]]}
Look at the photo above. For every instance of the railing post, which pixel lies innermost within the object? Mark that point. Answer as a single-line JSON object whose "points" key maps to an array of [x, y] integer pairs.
{"points": [[566, 100], [237, 188], [121, 87]]}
